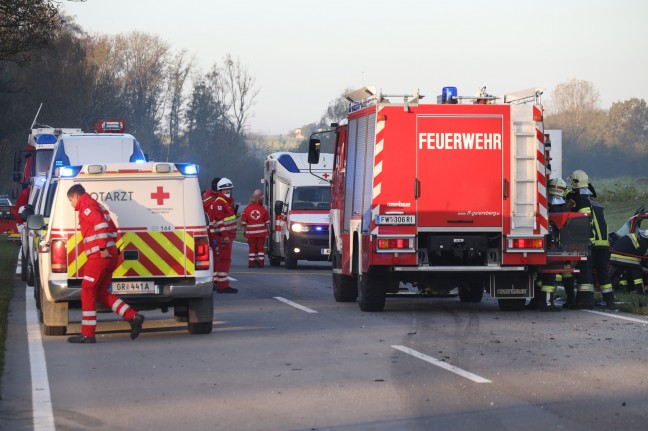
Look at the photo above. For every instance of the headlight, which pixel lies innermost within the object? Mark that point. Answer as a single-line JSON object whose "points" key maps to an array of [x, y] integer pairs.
{"points": [[298, 227]]}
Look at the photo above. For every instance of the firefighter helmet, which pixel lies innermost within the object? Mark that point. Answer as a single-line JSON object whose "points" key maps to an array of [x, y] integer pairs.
{"points": [[557, 187], [578, 179], [224, 184]]}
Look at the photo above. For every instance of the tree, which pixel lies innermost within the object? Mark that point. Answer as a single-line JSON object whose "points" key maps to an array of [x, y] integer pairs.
{"points": [[628, 124], [241, 93], [576, 104], [27, 25], [337, 109], [178, 71]]}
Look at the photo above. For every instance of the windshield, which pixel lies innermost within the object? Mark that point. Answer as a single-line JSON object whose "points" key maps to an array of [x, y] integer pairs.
{"points": [[43, 161], [311, 197]]}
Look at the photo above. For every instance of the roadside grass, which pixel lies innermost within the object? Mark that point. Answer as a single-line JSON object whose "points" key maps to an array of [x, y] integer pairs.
{"points": [[631, 303], [8, 253]]}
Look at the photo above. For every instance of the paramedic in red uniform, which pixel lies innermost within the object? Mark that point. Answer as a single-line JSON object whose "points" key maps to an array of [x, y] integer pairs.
{"points": [[209, 197], [22, 200], [99, 236], [223, 215], [256, 224]]}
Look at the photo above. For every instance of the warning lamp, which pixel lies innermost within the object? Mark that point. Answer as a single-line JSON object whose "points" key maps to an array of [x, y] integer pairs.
{"points": [[527, 244], [110, 126], [202, 252], [59, 255], [45, 138], [449, 95], [393, 244], [187, 168], [69, 171]]}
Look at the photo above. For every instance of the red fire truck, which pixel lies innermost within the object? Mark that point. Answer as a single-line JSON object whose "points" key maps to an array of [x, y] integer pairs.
{"points": [[445, 196]]}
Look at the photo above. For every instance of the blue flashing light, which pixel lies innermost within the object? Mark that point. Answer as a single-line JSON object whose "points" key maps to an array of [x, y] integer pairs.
{"points": [[45, 138], [287, 162], [319, 228], [187, 168], [70, 171], [140, 161], [448, 95]]}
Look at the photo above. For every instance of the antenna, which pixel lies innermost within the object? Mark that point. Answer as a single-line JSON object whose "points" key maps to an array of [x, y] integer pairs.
{"points": [[36, 117]]}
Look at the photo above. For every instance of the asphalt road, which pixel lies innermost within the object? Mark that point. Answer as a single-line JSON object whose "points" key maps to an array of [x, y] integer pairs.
{"points": [[284, 355]]}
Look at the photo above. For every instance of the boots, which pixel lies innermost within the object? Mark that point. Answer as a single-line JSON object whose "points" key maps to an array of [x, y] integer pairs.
{"points": [[608, 297], [545, 302], [584, 300], [570, 292]]}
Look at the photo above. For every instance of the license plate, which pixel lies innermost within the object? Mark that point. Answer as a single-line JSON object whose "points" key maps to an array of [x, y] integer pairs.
{"points": [[395, 219], [326, 251], [134, 287]]}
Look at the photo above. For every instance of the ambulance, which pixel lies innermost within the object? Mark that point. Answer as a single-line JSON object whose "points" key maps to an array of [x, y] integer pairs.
{"points": [[298, 197], [165, 259]]}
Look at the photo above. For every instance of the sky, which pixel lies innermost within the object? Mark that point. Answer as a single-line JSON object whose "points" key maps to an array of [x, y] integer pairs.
{"points": [[303, 54]]}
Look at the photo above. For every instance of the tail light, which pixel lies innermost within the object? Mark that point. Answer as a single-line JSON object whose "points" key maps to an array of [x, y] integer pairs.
{"points": [[394, 244], [59, 255], [202, 252], [525, 244]]}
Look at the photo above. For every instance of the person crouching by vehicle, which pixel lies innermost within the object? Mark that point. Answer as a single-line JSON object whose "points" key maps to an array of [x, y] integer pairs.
{"points": [[99, 236], [582, 195], [256, 225], [627, 253]]}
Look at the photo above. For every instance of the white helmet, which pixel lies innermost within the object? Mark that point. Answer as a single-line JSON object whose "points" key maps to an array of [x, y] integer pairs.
{"points": [[643, 233], [224, 184], [578, 179], [557, 187]]}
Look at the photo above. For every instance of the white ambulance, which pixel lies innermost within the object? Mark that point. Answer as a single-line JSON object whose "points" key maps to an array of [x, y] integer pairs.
{"points": [[297, 196], [165, 259]]}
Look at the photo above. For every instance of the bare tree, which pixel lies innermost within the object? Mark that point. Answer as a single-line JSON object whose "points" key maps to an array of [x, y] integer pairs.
{"points": [[576, 104], [337, 109], [239, 84], [178, 71], [26, 25]]}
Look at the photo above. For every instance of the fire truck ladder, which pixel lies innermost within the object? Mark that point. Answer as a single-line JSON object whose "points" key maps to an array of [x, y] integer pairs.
{"points": [[524, 193]]}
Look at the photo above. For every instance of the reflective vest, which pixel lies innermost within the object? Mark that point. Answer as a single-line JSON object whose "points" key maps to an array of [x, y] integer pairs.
{"points": [[97, 228]]}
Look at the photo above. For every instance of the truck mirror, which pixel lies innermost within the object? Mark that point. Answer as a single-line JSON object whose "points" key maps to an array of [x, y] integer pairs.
{"points": [[35, 222], [278, 207], [25, 211], [314, 151]]}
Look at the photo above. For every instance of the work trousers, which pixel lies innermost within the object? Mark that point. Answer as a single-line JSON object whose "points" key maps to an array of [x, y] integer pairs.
{"points": [[223, 262], [256, 252], [97, 276]]}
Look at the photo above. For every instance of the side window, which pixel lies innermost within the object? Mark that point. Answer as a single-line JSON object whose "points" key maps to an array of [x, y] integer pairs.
{"points": [[49, 198]]}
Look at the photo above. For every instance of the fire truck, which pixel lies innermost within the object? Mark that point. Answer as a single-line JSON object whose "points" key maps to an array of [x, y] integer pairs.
{"points": [[444, 196], [297, 196]]}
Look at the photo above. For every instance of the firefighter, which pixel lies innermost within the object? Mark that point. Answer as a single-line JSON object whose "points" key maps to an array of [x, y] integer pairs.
{"points": [[22, 200], [209, 197], [223, 216], [256, 226], [581, 198], [545, 287], [99, 236], [627, 253]]}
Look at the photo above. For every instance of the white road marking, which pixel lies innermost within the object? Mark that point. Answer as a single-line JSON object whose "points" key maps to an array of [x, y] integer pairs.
{"points": [[19, 265], [294, 304], [630, 319], [463, 373], [231, 278], [43, 415]]}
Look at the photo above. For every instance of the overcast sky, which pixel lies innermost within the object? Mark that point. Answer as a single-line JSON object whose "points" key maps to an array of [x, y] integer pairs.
{"points": [[304, 53]]}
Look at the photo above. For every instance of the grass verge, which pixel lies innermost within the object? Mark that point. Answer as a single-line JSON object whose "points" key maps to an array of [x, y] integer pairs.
{"points": [[8, 253]]}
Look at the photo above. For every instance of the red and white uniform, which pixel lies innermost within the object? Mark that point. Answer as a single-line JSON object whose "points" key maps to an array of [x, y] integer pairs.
{"points": [[223, 219], [255, 222], [99, 232], [22, 200]]}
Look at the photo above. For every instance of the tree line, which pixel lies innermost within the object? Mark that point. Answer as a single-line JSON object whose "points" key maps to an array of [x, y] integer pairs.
{"points": [[175, 110]]}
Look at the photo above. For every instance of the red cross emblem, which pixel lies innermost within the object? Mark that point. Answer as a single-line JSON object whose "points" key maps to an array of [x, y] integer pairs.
{"points": [[160, 195], [325, 175], [255, 214]]}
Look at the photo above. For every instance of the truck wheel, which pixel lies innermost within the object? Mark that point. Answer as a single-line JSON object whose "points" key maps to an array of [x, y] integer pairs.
{"points": [[275, 261], [30, 274], [345, 288], [55, 317], [471, 292], [291, 259], [515, 304], [23, 266], [200, 315], [372, 290]]}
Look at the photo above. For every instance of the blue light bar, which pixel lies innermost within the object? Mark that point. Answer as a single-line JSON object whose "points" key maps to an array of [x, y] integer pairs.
{"points": [[187, 168], [45, 138], [287, 161], [69, 171]]}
